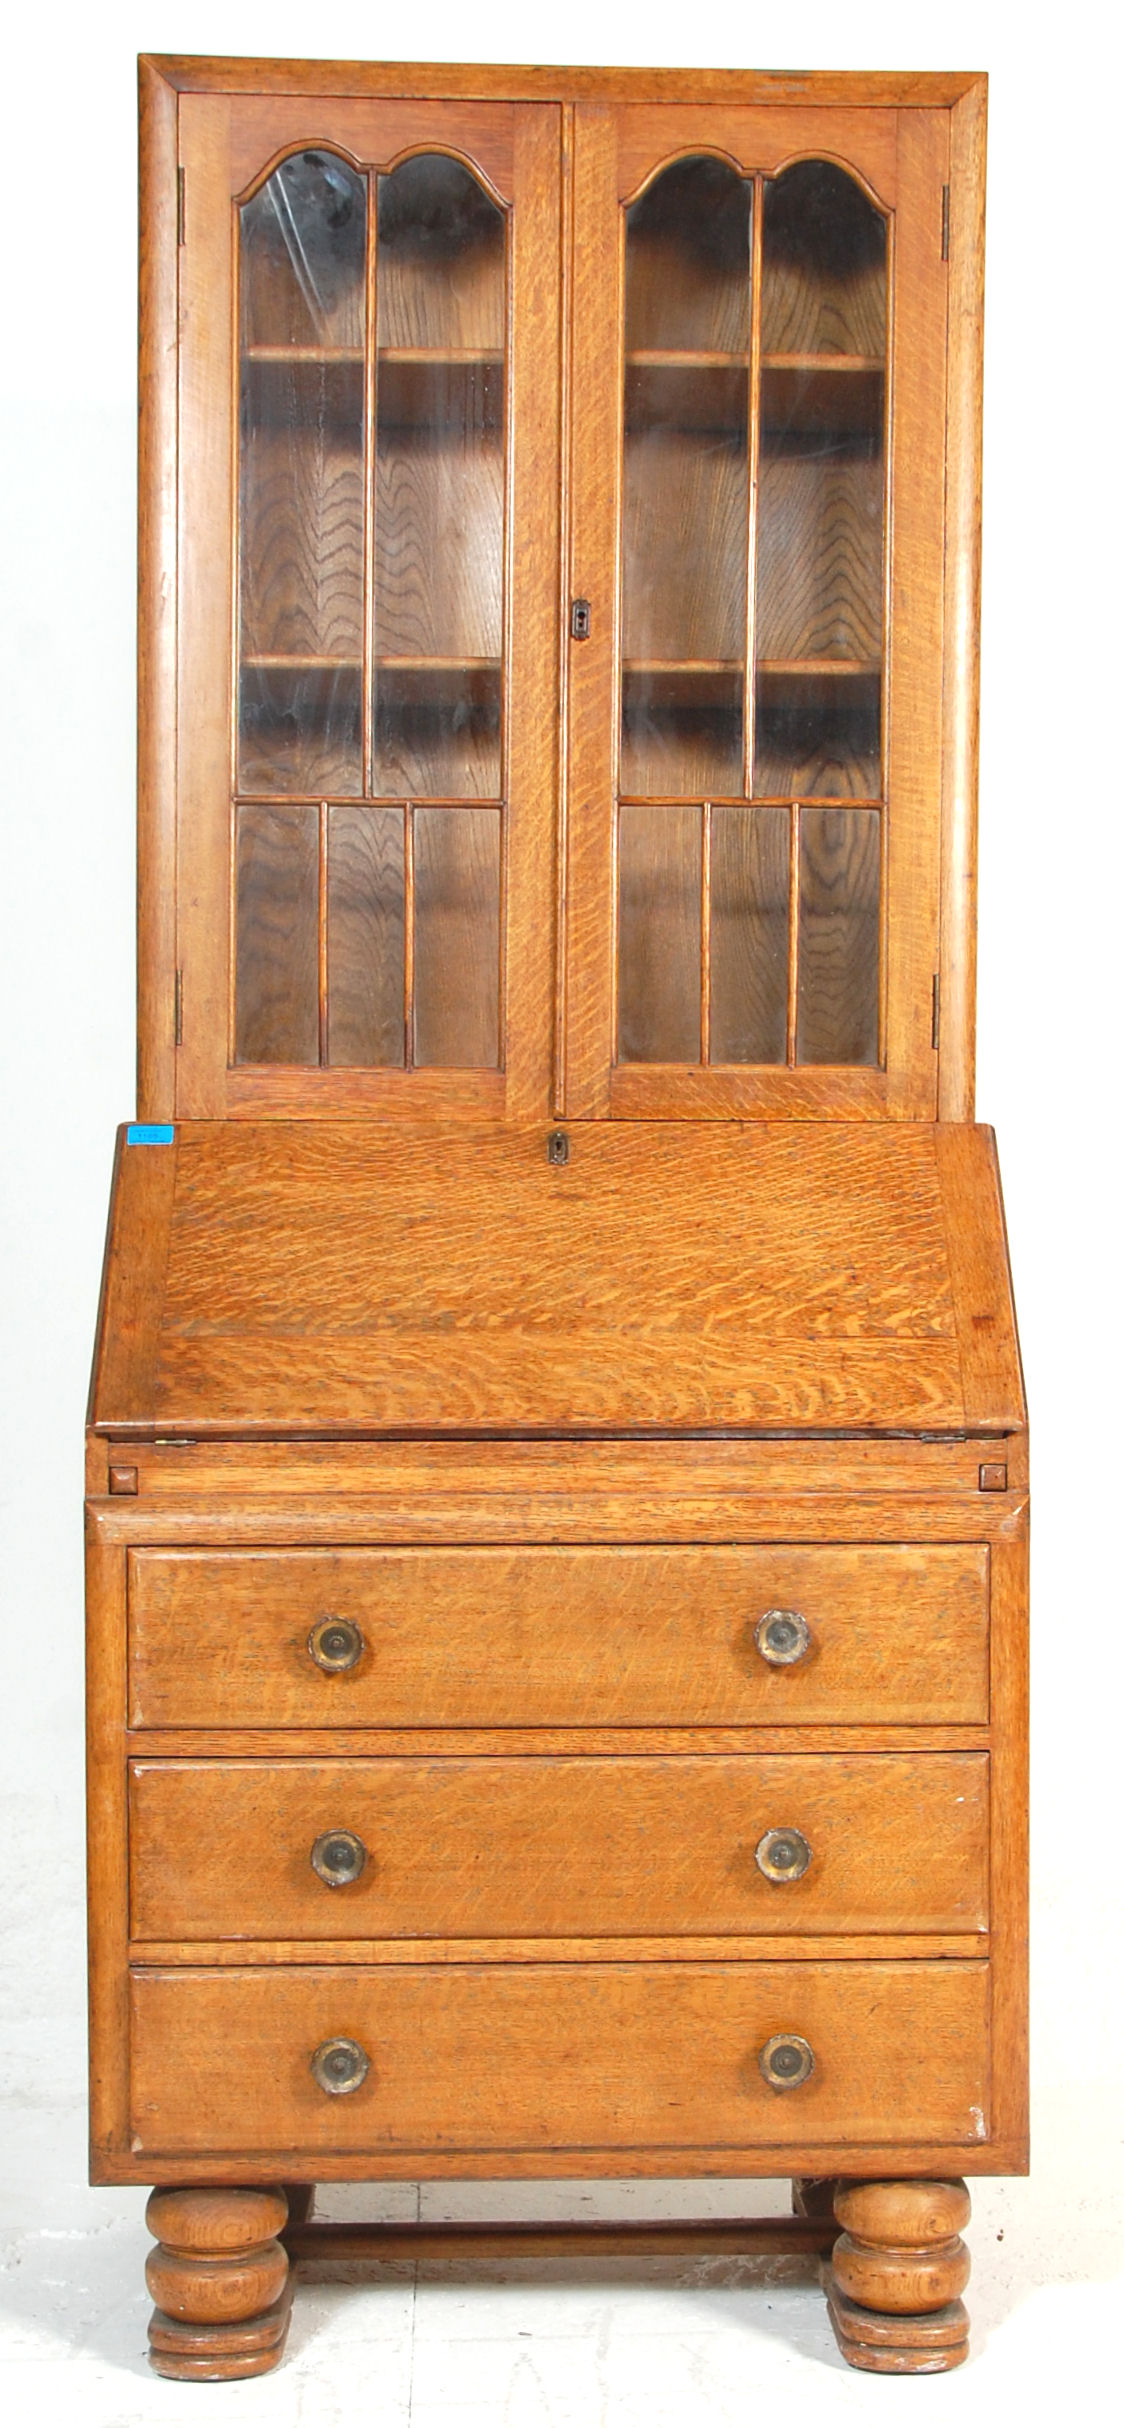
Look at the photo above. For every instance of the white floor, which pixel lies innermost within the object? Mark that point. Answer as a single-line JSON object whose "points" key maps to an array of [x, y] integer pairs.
{"points": [[609, 2345]]}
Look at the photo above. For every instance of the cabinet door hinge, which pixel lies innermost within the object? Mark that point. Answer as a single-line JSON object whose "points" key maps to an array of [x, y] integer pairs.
{"points": [[936, 1010], [944, 222], [179, 1007], [181, 204]]}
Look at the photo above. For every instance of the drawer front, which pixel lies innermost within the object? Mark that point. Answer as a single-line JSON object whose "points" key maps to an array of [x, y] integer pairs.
{"points": [[524, 1847], [556, 2057], [655, 1636]]}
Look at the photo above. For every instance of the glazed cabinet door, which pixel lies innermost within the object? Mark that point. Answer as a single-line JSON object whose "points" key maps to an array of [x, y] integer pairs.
{"points": [[368, 536], [753, 809]]}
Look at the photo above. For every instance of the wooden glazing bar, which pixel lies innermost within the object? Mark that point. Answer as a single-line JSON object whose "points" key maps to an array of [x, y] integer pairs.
{"points": [[766, 801], [322, 934], [884, 685], [157, 601], [370, 413], [561, 848], [735, 2238], [749, 696], [303, 354], [704, 938], [960, 735], [793, 929], [408, 922]]}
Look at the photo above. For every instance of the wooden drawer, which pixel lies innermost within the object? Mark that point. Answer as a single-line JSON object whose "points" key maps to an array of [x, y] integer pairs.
{"points": [[555, 2057], [570, 1847], [656, 1636]]}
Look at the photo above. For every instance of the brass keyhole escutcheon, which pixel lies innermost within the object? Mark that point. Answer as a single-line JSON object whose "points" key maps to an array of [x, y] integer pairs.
{"points": [[783, 1854], [339, 2066], [335, 1644], [782, 1637], [786, 2061], [338, 1857]]}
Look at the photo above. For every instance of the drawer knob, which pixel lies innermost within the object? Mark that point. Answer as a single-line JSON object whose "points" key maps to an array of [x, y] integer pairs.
{"points": [[783, 1854], [335, 1643], [340, 2065], [782, 1637], [338, 1857], [786, 2061]]}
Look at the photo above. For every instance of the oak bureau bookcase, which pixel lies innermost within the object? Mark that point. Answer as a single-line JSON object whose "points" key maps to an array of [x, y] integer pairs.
{"points": [[557, 1456]]}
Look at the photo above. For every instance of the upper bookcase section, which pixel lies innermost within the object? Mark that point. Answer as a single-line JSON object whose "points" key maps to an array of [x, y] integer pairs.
{"points": [[558, 575]]}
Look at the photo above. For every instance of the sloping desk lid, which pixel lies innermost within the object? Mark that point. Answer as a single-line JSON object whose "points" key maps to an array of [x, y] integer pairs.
{"points": [[277, 1278]]}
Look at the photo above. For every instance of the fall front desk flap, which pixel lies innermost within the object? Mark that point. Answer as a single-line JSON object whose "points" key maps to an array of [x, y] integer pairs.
{"points": [[310, 1277]]}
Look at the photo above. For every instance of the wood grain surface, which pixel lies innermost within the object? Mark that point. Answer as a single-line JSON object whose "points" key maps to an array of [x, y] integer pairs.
{"points": [[560, 1848], [550, 2057], [819, 552], [556, 1436], [544, 1638], [315, 1283]]}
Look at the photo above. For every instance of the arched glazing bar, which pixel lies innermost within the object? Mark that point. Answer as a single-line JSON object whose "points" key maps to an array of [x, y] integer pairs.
{"points": [[753, 611], [371, 615]]}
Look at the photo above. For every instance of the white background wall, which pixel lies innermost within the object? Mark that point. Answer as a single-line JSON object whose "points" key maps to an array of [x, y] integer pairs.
{"points": [[1051, 941]]}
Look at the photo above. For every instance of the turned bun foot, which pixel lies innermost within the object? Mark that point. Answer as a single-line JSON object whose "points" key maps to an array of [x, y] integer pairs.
{"points": [[220, 2281], [897, 2272]]}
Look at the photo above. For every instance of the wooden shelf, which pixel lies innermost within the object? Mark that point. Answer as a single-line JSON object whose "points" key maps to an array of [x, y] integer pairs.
{"points": [[299, 664], [845, 669], [439, 355], [680, 666], [683, 358], [739, 800], [303, 354], [423, 665], [846, 363], [284, 663]]}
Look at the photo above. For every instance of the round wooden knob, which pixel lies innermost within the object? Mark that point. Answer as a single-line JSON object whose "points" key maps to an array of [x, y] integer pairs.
{"points": [[335, 1643], [338, 1857], [782, 1637], [339, 2066], [783, 1854], [786, 2061]]}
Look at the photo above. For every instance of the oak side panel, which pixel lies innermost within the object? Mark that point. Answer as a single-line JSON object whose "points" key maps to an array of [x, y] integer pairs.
{"points": [[594, 481], [533, 706], [980, 1275], [123, 1382], [157, 586], [106, 1844], [206, 524], [963, 476], [1010, 1645], [912, 747]]}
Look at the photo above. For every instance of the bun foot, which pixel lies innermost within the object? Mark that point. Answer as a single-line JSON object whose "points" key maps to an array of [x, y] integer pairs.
{"points": [[896, 2275], [220, 2280]]}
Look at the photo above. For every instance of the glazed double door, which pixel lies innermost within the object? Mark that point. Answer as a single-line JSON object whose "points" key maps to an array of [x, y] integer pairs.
{"points": [[559, 529]]}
